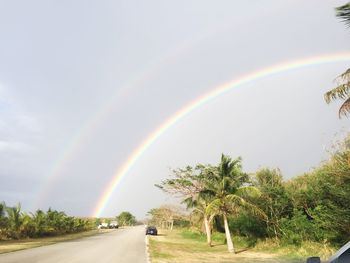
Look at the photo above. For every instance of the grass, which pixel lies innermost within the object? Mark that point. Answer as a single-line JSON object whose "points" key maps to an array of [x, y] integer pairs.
{"points": [[15, 245], [182, 245], [306, 249]]}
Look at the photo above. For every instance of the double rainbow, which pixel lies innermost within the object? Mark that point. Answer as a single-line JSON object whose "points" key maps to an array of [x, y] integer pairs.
{"points": [[122, 171]]}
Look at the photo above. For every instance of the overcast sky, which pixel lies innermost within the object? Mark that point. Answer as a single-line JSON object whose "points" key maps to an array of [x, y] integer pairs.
{"points": [[83, 83]]}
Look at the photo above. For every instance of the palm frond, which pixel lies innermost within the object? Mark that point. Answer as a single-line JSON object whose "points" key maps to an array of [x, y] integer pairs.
{"points": [[234, 199], [255, 210], [343, 12], [345, 108], [340, 92], [345, 76], [240, 202], [190, 202], [214, 207], [248, 191]]}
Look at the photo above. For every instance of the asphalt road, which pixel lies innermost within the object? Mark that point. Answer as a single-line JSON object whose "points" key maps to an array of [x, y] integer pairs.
{"points": [[119, 246]]}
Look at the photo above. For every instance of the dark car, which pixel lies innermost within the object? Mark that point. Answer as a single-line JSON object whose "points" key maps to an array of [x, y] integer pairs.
{"points": [[151, 230], [341, 256]]}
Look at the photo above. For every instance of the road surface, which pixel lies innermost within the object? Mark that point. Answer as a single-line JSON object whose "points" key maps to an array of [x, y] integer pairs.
{"points": [[119, 246]]}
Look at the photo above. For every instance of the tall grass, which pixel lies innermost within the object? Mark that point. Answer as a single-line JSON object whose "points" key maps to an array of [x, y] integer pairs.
{"points": [[302, 251]]}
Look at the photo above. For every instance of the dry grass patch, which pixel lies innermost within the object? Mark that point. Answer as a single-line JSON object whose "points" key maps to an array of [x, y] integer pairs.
{"points": [[14, 245], [173, 246], [305, 250]]}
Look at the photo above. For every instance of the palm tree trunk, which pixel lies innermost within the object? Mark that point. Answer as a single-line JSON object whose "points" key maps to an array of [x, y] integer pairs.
{"points": [[228, 236], [207, 230]]}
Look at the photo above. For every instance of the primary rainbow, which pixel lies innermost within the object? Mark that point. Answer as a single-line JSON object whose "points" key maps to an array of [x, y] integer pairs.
{"points": [[217, 91]]}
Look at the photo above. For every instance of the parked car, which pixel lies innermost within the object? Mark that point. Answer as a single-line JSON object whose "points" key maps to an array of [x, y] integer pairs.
{"points": [[341, 256], [151, 230], [103, 226], [113, 224]]}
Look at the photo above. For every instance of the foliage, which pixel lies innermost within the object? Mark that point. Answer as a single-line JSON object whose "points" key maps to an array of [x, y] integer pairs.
{"points": [[189, 184], [343, 12], [212, 191], [126, 219], [15, 224], [247, 225], [274, 199], [313, 207], [323, 196], [231, 191], [167, 217], [342, 90]]}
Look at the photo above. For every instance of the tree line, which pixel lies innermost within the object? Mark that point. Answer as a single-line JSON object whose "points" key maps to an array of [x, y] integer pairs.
{"points": [[16, 224], [311, 207], [168, 216], [125, 218]]}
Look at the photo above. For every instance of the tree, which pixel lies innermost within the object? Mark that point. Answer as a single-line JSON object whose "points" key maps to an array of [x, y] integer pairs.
{"points": [[188, 184], [274, 200], [230, 189], [322, 196], [342, 90], [27, 228], [15, 224], [165, 216], [15, 220], [40, 223], [3, 220], [199, 204], [126, 219]]}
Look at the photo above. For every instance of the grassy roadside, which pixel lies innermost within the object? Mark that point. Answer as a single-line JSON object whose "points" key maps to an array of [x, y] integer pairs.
{"points": [[15, 245], [186, 246]]}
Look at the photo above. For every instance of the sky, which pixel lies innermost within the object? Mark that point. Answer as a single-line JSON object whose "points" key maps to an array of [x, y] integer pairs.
{"points": [[84, 83]]}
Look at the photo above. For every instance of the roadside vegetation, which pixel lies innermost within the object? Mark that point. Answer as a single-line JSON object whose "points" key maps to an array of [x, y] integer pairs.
{"points": [[16, 224], [20, 230], [126, 219], [261, 212]]}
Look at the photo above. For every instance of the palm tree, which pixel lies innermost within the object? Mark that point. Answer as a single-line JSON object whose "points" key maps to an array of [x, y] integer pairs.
{"points": [[2, 209], [342, 90], [199, 203], [230, 189], [3, 220], [189, 184], [27, 227], [15, 218]]}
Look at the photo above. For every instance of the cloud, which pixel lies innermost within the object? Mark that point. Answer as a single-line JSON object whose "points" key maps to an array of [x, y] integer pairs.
{"points": [[6, 146], [19, 130]]}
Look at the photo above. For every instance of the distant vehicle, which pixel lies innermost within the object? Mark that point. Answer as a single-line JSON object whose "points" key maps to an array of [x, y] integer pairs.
{"points": [[103, 226], [151, 230], [113, 224]]}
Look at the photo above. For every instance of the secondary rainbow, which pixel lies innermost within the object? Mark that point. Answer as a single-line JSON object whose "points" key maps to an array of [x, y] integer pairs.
{"points": [[198, 102]]}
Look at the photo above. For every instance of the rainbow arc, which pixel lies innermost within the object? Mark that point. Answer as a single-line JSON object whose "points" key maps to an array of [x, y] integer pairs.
{"points": [[122, 171]]}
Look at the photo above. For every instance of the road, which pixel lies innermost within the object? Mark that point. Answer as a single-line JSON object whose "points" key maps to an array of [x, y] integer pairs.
{"points": [[119, 246]]}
